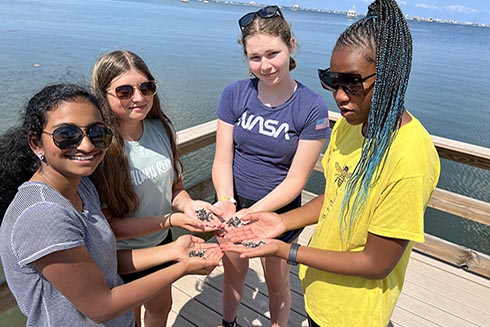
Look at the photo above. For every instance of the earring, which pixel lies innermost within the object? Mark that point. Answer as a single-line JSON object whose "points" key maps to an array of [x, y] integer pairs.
{"points": [[40, 155]]}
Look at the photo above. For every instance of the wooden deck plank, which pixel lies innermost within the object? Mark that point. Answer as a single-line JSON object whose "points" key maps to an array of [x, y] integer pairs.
{"points": [[435, 295], [450, 308], [463, 291], [206, 297], [255, 294], [404, 318], [451, 272], [436, 315]]}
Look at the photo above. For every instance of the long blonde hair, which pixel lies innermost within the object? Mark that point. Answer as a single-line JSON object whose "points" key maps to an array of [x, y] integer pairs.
{"points": [[112, 177]]}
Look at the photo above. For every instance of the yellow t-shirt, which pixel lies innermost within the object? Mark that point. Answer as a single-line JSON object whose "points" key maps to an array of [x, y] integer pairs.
{"points": [[395, 208]]}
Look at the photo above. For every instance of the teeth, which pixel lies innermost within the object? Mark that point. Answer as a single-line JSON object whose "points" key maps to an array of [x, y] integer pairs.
{"points": [[80, 158]]}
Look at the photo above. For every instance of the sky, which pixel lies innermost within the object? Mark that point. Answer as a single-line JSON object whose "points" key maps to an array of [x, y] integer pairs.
{"points": [[476, 11]]}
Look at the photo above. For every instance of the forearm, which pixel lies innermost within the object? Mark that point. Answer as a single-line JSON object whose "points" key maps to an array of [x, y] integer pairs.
{"points": [[301, 167], [129, 227], [378, 258], [130, 261], [222, 171], [123, 298], [344, 263], [280, 196], [222, 176], [303, 216], [180, 199], [78, 277]]}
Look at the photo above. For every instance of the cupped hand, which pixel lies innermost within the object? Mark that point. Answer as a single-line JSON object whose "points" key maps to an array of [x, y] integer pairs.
{"points": [[268, 249], [205, 264], [257, 225], [212, 223], [182, 246]]}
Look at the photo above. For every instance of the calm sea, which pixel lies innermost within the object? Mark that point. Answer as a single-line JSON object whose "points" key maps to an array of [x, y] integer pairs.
{"points": [[192, 49]]}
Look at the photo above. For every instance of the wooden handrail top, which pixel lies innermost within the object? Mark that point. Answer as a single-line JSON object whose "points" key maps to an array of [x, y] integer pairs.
{"points": [[465, 153], [199, 136]]}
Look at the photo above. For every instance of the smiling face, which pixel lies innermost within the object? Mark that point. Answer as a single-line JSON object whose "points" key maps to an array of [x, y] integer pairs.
{"points": [[268, 58], [131, 110], [71, 163], [354, 108]]}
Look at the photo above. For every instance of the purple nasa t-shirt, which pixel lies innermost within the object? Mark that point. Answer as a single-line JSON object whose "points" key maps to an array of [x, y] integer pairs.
{"points": [[266, 138]]}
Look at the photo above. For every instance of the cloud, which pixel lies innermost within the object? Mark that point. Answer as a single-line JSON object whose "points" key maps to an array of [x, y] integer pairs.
{"points": [[401, 2], [461, 9], [425, 6]]}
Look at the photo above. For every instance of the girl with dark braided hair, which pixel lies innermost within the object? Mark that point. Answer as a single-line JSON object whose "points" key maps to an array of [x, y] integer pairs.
{"points": [[381, 168]]}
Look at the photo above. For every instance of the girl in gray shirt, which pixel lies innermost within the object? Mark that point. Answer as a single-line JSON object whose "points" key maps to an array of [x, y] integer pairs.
{"points": [[57, 249]]}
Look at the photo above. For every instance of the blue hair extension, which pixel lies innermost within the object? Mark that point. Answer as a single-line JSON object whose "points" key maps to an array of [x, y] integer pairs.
{"points": [[384, 30]]}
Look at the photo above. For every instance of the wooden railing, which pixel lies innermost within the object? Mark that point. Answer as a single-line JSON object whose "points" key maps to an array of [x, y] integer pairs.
{"points": [[456, 204], [199, 136]]}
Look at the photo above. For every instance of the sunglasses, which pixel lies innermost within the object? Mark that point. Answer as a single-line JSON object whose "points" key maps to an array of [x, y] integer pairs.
{"points": [[352, 84], [70, 136], [126, 92], [266, 12]]}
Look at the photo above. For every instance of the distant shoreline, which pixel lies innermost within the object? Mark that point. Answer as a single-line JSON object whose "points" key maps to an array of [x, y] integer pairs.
{"points": [[337, 12]]}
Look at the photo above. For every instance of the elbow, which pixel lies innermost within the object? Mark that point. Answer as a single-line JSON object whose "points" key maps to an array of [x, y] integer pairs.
{"points": [[100, 317], [378, 272], [103, 316]]}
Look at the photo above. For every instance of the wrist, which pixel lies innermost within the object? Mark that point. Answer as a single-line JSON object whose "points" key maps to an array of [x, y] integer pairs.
{"points": [[293, 254], [167, 222], [227, 198]]}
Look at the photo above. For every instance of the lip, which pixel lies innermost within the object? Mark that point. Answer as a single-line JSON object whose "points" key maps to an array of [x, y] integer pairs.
{"points": [[269, 75], [346, 112], [83, 158], [139, 108]]}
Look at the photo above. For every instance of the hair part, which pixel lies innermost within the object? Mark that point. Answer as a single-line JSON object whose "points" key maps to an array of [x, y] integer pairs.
{"points": [[113, 173], [17, 161], [276, 26], [383, 35]]}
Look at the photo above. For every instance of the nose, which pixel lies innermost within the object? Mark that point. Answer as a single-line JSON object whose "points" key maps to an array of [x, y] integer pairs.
{"points": [[265, 65], [86, 145], [340, 95], [137, 95]]}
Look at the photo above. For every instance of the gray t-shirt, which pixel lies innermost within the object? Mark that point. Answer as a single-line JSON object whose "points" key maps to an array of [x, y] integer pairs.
{"points": [[152, 175], [40, 221]]}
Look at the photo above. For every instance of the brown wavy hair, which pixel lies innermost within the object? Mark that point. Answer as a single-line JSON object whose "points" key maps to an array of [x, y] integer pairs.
{"points": [[112, 176], [276, 26]]}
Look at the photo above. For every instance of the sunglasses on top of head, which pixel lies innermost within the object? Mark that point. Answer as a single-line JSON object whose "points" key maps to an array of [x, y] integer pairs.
{"points": [[70, 136], [266, 12], [126, 92], [352, 84]]}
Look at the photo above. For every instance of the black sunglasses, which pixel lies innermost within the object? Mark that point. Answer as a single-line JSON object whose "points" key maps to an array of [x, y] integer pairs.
{"points": [[70, 136], [352, 84], [126, 92], [266, 12]]}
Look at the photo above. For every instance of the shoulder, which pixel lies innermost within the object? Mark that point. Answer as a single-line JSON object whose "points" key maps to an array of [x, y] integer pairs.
{"points": [[155, 127], [310, 98], [87, 188], [413, 136], [244, 85], [305, 91], [414, 150]]}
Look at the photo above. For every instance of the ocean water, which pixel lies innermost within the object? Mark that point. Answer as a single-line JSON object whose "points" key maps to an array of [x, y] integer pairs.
{"points": [[192, 50]]}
